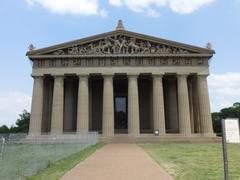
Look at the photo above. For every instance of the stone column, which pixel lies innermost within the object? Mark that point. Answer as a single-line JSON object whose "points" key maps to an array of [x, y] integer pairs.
{"points": [[158, 104], [204, 105], [133, 106], [183, 106], [37, 106], [190, 90], [83, 108], [108, 106], [57, 105]]}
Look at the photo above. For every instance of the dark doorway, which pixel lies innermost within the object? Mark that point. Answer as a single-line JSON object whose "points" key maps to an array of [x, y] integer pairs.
{"points": [[120, 104], [120, 114]]}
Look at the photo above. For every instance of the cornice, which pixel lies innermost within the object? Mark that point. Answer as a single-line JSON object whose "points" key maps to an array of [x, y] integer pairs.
{"points": [[40, 52]]}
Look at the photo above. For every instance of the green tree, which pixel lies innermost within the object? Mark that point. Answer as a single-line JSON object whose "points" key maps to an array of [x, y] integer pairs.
{"points": [[4, 129], [22, 124], [229, 112], [237, 104], [216, 118]]}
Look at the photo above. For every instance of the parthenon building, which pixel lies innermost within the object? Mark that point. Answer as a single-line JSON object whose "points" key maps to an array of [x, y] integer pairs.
{"points": [[121, 82]]}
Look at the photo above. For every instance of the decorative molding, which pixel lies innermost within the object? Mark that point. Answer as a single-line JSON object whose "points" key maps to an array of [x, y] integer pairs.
{"points": [[108, 62]]}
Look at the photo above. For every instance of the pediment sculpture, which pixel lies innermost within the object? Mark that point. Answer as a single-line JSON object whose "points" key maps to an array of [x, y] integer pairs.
{"points": [[120, 44]]}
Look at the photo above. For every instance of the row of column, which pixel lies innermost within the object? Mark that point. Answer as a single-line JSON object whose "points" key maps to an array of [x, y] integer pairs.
{"points": [[133, 105]]}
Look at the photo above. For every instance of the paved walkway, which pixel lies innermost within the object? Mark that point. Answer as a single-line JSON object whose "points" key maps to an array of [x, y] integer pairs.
{"points": [[118, 162]]}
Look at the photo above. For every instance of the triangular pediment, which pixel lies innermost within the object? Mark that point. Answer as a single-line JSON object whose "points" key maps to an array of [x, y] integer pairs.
{"points": [[120, 42]]}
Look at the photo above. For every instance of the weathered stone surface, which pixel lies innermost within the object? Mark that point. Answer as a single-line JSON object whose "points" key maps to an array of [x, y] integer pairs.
{"points": [[57, 106], [133, 106], [121, 61], [158, 104], [83, 106], [183, 106], [176, 76], [108, 107], [204, 106], [37, 103]]}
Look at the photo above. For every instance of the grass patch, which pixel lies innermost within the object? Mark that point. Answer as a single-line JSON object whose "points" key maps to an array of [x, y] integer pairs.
{"points": [[59, 168], [195, 161], [21, 160]]}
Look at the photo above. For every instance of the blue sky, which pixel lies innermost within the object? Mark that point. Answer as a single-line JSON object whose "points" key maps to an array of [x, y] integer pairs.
{"points": [[48, 22]]}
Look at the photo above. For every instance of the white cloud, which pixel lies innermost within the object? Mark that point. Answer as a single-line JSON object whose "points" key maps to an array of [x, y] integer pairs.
{"points": [[188, 6], [146, 6], [73, 7], [224, 90], [11, 105], [153, 13], [116, 2], [103, 13], [91, 7]]}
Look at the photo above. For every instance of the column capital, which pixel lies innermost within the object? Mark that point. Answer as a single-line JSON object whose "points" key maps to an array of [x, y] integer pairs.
{"points": [[37, 76], [157, 75], [107, 75], [83, 76], [182, 75], [132, 76], [203, 75], [58, 76]]}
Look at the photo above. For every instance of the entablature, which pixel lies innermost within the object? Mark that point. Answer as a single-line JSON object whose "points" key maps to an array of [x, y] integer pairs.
{"points": [[121, 61]]}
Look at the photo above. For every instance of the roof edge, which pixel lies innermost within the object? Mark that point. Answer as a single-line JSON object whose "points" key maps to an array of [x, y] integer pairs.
{"points": [[143, 36]]}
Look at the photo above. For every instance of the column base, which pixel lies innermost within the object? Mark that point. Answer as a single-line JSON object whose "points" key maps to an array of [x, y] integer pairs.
{"points": [[208, 135], [134, 135]]}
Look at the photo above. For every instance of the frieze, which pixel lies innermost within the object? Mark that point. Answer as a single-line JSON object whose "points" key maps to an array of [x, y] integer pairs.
{"points": [[96, 62], [119, 44]]}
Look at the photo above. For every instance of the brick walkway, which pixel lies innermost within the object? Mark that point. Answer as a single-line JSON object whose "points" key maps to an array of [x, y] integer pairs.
{"points": [[118, 162]]}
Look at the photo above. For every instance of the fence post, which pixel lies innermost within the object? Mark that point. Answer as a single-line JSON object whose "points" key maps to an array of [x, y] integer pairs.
{"points": [[2, 148], [224, 144], [55, 147]]}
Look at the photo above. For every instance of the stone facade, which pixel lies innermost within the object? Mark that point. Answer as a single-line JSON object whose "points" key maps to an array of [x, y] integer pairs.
{"points": [[121, 82]]}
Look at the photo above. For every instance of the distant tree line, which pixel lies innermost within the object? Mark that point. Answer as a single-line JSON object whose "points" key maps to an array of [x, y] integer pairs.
{"points": [[22, 124], [230, 112]]}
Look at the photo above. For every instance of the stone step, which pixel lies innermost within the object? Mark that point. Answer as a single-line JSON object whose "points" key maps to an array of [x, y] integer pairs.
{"points": [[158, 139]]}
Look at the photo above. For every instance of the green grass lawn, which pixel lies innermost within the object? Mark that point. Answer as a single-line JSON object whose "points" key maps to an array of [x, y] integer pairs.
{"points": [[59, 168], [23, 160], [195, 161]]}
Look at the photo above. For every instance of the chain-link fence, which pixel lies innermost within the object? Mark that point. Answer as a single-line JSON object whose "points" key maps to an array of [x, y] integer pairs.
{"points": [[22, 155]]}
